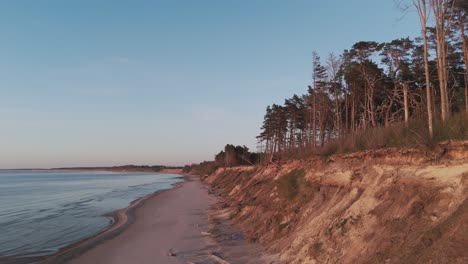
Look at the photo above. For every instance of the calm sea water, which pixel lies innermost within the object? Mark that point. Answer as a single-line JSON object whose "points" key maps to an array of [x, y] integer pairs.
{"points": [[42, 211]]}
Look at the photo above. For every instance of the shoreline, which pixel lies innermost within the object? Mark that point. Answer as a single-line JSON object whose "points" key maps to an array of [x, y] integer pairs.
{"points": [[122, 218], [171, 226], [184, 224]]}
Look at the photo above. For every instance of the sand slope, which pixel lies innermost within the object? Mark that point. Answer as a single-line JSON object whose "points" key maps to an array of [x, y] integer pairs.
{"points": [[379, 206]]}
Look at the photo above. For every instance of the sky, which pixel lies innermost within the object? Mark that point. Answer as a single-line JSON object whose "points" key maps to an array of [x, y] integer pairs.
{"points": [[109, 82]]}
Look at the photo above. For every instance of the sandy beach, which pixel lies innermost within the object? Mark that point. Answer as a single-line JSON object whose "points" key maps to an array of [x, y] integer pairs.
{"points": [[170, 226], [167, 227]]}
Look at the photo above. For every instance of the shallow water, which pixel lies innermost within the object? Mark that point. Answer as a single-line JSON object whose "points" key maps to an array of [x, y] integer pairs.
{"points": [[42, 211]]}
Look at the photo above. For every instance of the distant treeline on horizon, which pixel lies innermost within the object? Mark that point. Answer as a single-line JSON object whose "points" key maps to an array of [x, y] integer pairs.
{"points": [[155, 168]]}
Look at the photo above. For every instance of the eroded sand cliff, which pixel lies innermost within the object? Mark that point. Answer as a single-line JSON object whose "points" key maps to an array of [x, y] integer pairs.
{"points": [[381, 206]]}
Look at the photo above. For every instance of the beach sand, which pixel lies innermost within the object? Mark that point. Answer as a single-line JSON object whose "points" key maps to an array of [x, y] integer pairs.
{"points": [[170, 226], [167, 228]]}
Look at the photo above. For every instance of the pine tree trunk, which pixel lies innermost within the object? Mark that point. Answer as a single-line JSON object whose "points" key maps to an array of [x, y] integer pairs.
{"points": [[439, 10], [405, 102], [314, 122], [337, 113], [353, 114], [308, 121], [392, 99], [372, 107], [465, 53], [466, 93], [321, 129], [366, 104], [428, 82], [442, 78], [346, 126]]}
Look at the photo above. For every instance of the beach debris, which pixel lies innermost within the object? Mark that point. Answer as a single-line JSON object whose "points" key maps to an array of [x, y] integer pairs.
{"points": [[205, 233], [171, 253], [217, 258]]}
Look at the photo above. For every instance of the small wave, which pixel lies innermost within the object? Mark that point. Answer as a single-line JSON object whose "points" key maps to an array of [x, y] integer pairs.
{"points": [[141, 185], [78, 203], [38, 220]]}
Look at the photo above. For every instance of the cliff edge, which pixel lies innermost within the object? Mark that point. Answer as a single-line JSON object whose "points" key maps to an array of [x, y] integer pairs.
{"points": [[378, 206]]}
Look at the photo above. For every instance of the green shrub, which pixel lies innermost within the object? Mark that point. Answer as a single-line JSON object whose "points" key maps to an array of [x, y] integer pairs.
{"points": [[188, 168], [456, 128], [289, 184], [206, 168], [203, 169]]}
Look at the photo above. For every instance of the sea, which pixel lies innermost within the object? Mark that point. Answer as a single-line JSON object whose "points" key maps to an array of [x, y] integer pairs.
{"points": [[42, 211]]}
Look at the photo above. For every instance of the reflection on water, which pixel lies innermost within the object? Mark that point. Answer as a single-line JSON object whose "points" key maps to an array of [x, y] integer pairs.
{"points": [[42, 211]]}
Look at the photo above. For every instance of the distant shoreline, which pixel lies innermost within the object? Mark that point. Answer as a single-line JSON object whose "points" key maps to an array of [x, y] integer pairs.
{"points": [[121, 169], [130, 168]]}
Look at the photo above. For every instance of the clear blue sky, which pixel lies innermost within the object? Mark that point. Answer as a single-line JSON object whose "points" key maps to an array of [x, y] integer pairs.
{"points": [[162, 82]]}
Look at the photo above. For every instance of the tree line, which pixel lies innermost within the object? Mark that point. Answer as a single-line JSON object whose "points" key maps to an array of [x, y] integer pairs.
{"points": [[229, 157], [235, 156], [376, 84]]}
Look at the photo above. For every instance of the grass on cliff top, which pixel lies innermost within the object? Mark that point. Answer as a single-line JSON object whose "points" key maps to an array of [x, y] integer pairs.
{"points": [[415, 135]]}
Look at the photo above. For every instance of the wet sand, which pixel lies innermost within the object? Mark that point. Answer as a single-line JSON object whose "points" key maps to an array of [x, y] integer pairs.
{"points": [[181, 225], [169, 227]]}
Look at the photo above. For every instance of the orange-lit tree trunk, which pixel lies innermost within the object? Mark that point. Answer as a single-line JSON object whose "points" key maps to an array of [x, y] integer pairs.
{"points": [[442, 17], [465, 55], [423, 12]]}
